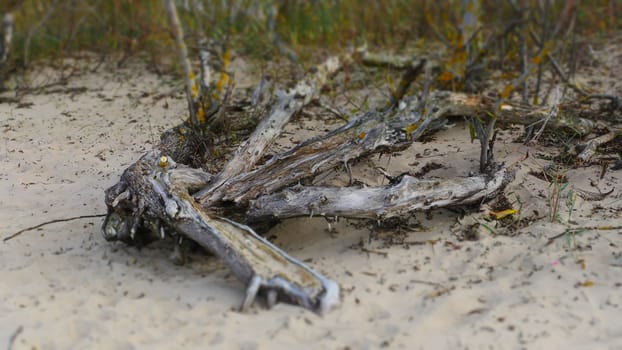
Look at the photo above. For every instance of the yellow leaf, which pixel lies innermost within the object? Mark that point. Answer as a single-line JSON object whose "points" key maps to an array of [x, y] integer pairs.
{"points": [[220, 85], [507, 91], [498, 215], [390, 83], [445, 76], [362, 135], [226, 59], [545, 51], [411, 128], [507, 75], [471, 7], [201, 115], [195, 91], [587, 283], [537, 60]]}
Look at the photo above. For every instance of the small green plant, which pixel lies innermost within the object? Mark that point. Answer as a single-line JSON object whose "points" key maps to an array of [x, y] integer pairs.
{"points": [[571, 198], [555, 197], [561, 192], [571, 237]]}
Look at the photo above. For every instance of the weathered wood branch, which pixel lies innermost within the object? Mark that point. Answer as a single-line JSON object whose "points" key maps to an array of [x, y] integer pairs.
{"points": [[372, 132], [588, 150], [153, 200], [381, 59], [157, 198], [182, 53], [566, 117], [406, 195], [287, 104]]}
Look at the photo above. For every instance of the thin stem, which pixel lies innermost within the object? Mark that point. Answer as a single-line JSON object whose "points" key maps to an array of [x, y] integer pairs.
{"points": [[182, 52]]}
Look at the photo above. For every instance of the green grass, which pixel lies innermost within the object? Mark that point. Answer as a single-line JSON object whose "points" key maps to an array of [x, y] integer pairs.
{"points": [[130, 26]]}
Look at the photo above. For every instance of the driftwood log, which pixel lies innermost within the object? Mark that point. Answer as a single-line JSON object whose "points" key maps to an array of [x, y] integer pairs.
{"points": [[161, 196], [167, 194]]}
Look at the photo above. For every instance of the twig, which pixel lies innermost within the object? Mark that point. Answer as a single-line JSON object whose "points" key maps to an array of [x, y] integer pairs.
{"points": [[182, 52], [276, 38], [592, 145], [408, 77], [433, 284], [552, 114], [437, 33], [616, 102], [551, 239], [557, 69], [374, 251], [409, 243], [486, 139], [381, 202], [206, 72], [524, 64], [583, 228], [51, 222], [541, 49], [593, 196], [14, 336], [473, 61]]}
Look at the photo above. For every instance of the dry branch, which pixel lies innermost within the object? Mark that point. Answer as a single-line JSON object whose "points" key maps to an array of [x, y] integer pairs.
{"points": [[371, 132], [7, 37], [182, 52], [407, 195], [165, 205], [287, 104], [30, 228], [152, 201], [589, 148], [382, 59], [157, 198]]}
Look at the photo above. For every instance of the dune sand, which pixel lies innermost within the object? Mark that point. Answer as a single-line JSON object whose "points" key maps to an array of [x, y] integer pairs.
{"points": [[64, 287]]}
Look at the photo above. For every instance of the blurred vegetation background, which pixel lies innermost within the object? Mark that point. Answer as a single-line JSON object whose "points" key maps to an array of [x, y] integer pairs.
{"points": [[521, 35], [59, 28]]}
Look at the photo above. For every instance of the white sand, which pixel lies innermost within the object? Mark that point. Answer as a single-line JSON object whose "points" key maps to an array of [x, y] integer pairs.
{"points": [[64, 287]]}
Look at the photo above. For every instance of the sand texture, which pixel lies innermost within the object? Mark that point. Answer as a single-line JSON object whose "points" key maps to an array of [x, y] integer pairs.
{"points": [[434, 282]]}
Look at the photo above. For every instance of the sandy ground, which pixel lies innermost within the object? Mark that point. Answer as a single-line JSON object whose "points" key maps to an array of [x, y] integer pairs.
{"points": [[64, 287]]}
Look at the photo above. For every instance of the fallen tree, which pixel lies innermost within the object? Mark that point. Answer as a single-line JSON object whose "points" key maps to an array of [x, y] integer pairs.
{"points": [[168, 194], [161, 196]]}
